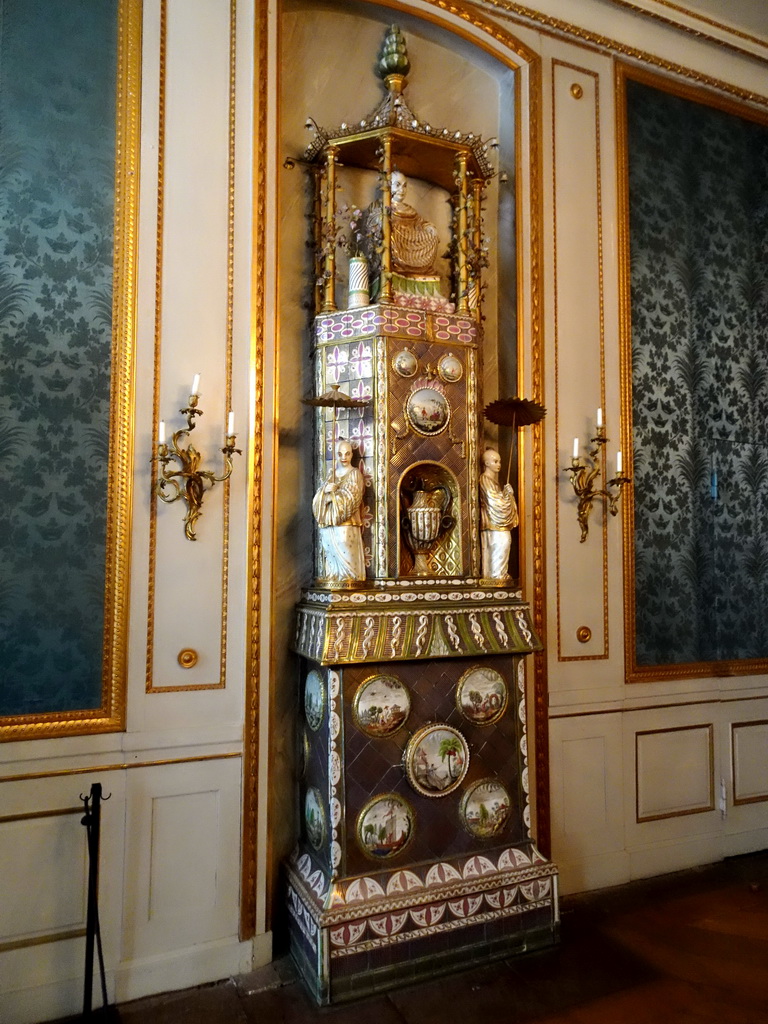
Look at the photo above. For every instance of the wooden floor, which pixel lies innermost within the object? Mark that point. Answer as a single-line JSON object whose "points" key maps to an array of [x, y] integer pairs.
{"points": [[686, 947]]}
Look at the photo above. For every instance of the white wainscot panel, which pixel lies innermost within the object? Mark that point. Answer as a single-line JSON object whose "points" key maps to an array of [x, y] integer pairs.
{"points": [[746, 824], [182, 857], [675, 772], [587, 807], [189, 881], [749, 744], [43, 892], [44, 870]]}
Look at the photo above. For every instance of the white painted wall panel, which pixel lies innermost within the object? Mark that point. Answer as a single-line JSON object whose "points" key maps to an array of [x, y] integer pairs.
{"points": [[182, 881], [675, 772], [192, 329], [184, 863], [587, 805], [750, 761], [578, 345], [52, 850]]}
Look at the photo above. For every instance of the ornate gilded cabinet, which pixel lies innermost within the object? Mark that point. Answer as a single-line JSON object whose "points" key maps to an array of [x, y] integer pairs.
{"points": [[416, 852]]}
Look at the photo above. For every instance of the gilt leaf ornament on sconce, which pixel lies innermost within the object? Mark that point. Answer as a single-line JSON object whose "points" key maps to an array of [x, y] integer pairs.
{"points": [[184, 478], [584, 473]]}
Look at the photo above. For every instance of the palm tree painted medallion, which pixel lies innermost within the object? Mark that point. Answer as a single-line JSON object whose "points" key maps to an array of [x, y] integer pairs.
{"points": [[436, 760]]}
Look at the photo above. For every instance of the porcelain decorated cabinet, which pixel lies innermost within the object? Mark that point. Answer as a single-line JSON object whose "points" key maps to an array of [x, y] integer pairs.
{"points": [[416, 851]]}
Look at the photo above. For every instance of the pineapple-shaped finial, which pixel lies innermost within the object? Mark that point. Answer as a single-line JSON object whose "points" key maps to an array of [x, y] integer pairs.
{"points": [[393, 63]]}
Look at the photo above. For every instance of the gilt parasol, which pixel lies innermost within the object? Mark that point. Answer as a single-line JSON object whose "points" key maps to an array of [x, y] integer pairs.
{"points": [[514, 412], [336, 399]]}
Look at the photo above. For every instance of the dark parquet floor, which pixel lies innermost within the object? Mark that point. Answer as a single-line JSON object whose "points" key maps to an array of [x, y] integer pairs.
{"points": [[689, 947]]}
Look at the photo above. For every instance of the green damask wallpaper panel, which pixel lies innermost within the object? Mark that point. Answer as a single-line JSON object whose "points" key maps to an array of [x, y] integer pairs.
{"points": [[698, 202], [57, 152]]}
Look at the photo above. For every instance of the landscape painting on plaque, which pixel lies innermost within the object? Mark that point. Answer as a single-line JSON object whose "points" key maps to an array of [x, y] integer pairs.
{"points": [[436, 760], [314, 818], [381, 705], [450, 368], [405, 363], [427, 410], [314, 700], [481, 695], [385, 826], [485, 808]]}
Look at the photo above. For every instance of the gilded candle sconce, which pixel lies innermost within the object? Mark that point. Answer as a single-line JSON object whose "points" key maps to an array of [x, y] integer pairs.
{"points": [[584, 473], [183, 478]]}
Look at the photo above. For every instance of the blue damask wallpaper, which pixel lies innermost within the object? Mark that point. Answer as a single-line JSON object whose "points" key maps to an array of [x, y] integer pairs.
{"points": [[57, 145], [698, 185]]}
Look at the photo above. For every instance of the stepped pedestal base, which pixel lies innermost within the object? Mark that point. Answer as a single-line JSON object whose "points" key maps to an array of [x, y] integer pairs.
{"points": [[371, 933]]}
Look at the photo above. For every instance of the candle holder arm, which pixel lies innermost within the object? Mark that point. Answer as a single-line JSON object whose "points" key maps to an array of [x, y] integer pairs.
{"points": [[583, 474], [188, 481]]}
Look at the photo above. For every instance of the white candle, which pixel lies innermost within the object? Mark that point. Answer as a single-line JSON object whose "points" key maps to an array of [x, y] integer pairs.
{"points": [[599, 418], [575, 447], [161, 432], [618, 463], [195, 384], [231, 423]]}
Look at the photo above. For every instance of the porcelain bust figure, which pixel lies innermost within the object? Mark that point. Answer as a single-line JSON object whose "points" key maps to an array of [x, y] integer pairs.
{"points": [[498, 516], [414, 239], [413, 247], [337, 508]]}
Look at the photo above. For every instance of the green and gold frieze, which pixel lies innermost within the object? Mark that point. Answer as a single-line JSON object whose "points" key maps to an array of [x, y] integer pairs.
{"points": [[411, 621]]}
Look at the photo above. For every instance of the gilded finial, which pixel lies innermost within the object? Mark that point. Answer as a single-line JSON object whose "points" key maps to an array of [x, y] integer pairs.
{"points": [[394, 65]]}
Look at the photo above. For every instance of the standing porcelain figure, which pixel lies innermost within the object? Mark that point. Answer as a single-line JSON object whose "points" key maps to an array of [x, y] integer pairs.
{"points": [[337, 507], [498, 516]]}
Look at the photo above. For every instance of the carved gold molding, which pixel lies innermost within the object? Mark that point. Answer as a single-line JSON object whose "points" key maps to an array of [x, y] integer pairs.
{"points": [[255, 475], [95, 769], [110, 716], [548, 25], [698, 33]]}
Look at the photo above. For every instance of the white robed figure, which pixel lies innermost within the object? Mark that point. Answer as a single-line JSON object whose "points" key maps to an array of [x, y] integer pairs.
{"points": [[498, 516], [337, 507]]}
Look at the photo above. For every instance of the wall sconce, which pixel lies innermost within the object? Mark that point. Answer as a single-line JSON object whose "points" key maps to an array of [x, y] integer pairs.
{"points": [[583, 474], [189, 481]]}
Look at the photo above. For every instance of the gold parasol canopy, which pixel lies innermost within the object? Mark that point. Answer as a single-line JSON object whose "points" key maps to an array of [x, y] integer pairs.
{"points": [[336, 399], [514, 412]]}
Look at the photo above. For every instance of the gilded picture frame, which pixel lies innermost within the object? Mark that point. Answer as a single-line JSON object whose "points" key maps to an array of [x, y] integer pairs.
{"points": [[109, 714]]}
